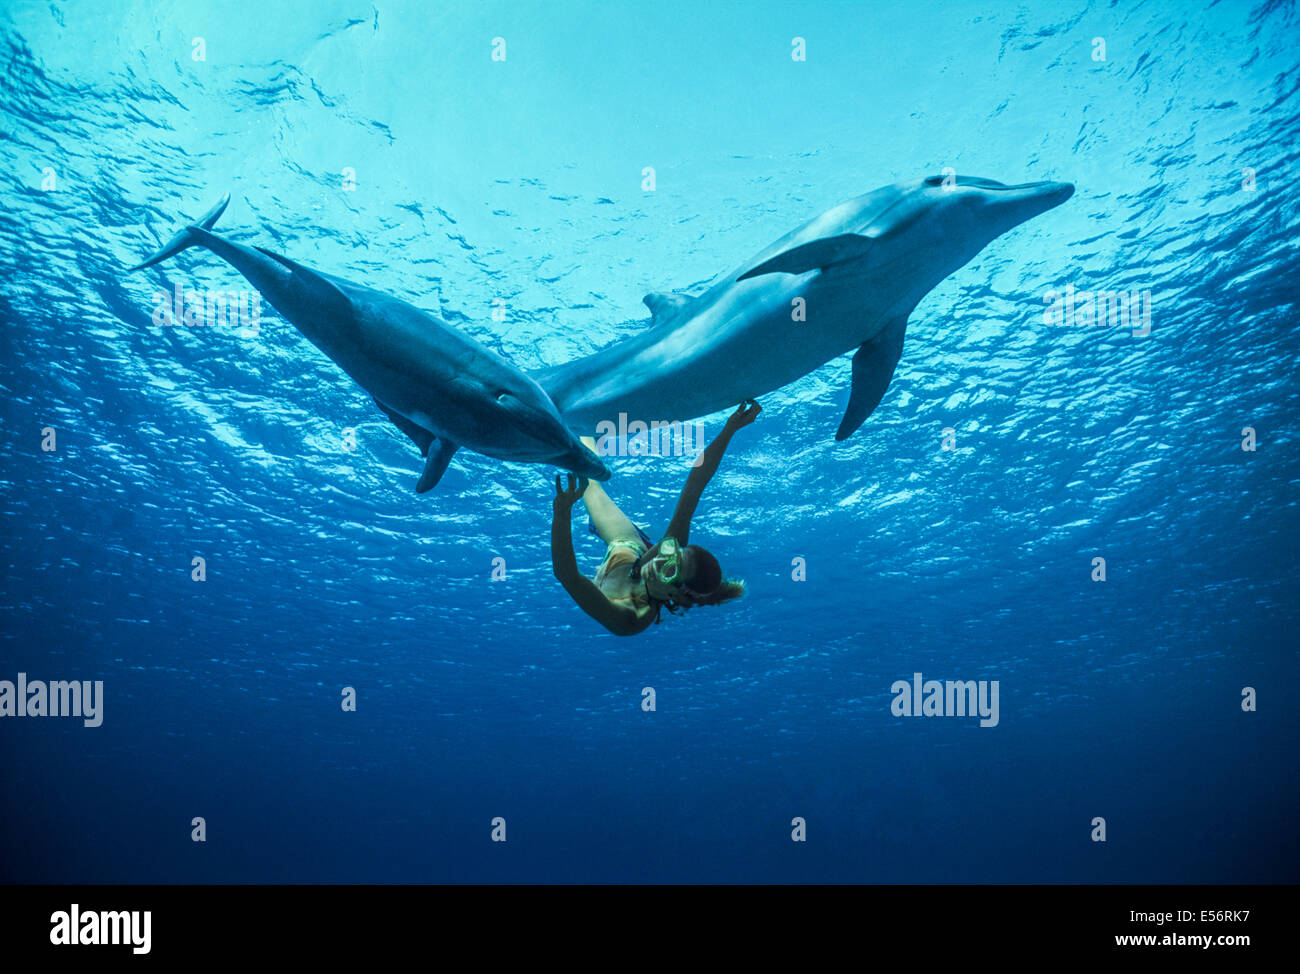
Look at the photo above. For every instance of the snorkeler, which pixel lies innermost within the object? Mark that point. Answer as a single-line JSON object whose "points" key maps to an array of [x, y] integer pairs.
{"points": [[637, 580]]}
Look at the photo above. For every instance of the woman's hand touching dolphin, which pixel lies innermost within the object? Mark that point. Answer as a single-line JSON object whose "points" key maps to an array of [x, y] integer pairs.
{"points": [[565, 499], [745, 414]]}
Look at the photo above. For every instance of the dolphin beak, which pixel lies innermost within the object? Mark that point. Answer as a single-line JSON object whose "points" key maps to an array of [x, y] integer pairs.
{"points": [[1054, 194], [585, 463], [1036, 198], [1010, 206]]}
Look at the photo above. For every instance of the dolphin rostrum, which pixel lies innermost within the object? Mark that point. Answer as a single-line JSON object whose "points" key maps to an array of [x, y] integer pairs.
{"points": [[439, 387], [846, 279]]}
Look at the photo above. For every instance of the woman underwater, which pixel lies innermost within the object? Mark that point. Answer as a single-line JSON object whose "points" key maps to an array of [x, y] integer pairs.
{"points": [[637, 580]]}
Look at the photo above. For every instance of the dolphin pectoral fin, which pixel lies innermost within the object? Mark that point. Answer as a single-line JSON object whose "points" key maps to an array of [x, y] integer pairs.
{"points": [[664, 306], [813, 256], [436, 465], [319, 288], [873, 367], [421, 436]]}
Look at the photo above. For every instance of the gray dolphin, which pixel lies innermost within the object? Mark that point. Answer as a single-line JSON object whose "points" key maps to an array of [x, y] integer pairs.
{"points": [[439, 387], [856, 272]]}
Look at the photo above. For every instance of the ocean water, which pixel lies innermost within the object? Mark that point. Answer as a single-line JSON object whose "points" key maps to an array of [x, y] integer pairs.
{"points": [[384, 144]]}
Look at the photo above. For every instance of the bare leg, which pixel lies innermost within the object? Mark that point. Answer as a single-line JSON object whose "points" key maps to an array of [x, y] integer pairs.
{"points": [[611, 523]]}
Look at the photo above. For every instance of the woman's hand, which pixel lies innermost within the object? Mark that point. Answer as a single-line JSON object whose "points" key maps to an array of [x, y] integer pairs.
{"points": [[745, 414], [565, 499]]}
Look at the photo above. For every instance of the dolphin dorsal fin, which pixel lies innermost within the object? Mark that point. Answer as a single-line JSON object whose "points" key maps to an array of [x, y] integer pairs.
{"points": [[663, 306]]}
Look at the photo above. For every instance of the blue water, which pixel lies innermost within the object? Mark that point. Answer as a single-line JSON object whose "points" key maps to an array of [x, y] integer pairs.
{"points": [[479, 182]]}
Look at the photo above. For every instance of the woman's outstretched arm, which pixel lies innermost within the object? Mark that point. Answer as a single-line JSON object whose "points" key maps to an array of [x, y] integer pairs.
{"points": [[680, 526], [616, 618]]}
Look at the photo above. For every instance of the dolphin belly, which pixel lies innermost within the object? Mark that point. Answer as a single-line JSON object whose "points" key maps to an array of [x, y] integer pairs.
{"points": [[749, 341]]}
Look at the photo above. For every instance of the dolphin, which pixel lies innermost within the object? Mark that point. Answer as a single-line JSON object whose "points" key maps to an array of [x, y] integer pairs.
{"points": [[439, 387], [847, 279]]}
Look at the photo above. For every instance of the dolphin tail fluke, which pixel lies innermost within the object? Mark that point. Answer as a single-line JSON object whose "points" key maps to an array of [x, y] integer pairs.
{"points": [[873, 368], [184, 238]]}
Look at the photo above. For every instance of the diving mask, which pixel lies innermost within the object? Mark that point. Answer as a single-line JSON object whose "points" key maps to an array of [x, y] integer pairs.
{"points": [[666, 566]]}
